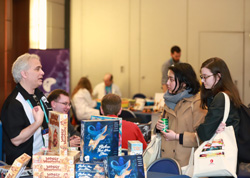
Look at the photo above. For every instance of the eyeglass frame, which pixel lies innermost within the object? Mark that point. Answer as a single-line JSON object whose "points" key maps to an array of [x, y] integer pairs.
{"points": [[205, 77], [65, 103]]}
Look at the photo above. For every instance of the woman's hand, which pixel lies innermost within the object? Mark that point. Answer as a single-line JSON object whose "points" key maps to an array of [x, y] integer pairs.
{"points": [[160, 125], [170, 135], [221, 128]]}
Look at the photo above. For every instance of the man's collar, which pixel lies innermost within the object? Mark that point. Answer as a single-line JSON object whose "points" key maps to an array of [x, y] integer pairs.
{"points": [[26, 95]]}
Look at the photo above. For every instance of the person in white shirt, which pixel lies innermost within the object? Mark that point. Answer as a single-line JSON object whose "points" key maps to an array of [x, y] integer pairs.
{"points": [[106, 87], [82, 100]]}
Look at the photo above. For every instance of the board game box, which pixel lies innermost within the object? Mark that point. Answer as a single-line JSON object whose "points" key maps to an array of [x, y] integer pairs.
{"points": [[99, 139], [120, 129], [129, 166], [58, 132], [18, 166]]}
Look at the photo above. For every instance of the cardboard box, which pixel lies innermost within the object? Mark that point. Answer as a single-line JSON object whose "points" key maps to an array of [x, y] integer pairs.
{"points": [[100, 138], [90, 167], [58, 132], [135, 147], [89, 175], [53, 174], [50, 157], [18, 166], [26, 172], [124, 166], [54, 167], [120, 129]]}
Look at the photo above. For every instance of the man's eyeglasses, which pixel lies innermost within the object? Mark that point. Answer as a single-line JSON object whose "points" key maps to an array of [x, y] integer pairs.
{"points": [[65, 103], [205, 77]]}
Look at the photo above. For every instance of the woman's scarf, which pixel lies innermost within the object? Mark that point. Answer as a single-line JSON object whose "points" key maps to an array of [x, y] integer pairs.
{"points": [[172, 99]]}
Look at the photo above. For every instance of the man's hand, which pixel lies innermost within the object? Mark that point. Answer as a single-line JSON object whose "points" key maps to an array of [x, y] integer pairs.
{"points": [[38, 115], [28, 132], [74, 141]]}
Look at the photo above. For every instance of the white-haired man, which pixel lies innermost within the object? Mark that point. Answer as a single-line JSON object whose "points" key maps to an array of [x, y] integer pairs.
{"points": [[25, 112]]}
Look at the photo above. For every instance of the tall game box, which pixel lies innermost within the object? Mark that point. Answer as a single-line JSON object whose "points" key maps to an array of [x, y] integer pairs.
{"points": [[58, 132], [120, 129], [99, 139], [129, 166]]}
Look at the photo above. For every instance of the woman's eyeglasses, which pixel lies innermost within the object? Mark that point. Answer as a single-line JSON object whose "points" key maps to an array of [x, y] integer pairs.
{"points": [[205, 77]]}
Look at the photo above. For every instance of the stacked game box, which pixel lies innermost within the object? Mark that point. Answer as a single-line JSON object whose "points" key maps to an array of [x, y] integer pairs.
{"points": [[51, 164], [99, 139], [85, 170], [129, 166], [120, 129], [135, 147], [58, 132], [18, 166]]}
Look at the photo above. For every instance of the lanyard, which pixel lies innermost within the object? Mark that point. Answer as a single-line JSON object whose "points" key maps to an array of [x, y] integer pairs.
{"points": [[45, 114]]}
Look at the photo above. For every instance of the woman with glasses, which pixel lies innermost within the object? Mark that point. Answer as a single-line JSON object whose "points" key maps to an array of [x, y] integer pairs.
{"points": [[183, 111], [82, 100], [216, 78]]}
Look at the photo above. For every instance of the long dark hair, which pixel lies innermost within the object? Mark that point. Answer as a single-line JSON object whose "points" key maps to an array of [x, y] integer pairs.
{"points": [[184, 73], [83, 83], [225, 83]]}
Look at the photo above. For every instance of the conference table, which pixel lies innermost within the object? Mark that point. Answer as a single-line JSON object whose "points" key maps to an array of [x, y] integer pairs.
{"points": [[151, 174]]}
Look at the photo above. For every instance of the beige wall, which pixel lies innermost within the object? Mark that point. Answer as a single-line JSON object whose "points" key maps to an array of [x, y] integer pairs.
{"points": [[132, 38], [246, 52], [55, 24]]}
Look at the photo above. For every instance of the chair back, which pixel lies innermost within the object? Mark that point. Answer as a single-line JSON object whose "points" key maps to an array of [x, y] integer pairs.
{"points": [[165, 165], [139, 95], [74, 121], [127, 114]]}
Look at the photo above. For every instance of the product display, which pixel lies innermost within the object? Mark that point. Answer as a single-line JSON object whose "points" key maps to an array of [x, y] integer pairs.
{"points": [[58, 132], [100, 138], [129, 166], [90, 170], [18, 166], [51, 164], [120, 129], [135, 147]]}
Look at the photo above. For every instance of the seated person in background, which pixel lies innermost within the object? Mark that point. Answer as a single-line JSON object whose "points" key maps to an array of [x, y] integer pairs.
{"points": [[106, 87], [183, 111], [60, 102], [111, 106], [82, 100]]}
